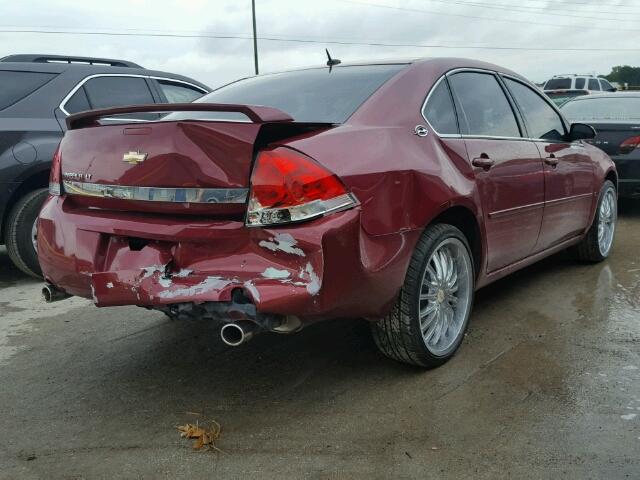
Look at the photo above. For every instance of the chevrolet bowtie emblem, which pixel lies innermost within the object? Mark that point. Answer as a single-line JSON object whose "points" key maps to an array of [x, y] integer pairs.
{"points": [[134, 158]]}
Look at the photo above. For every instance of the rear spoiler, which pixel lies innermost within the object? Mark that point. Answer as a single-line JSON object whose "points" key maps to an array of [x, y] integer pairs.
{"points": [[255, 113]]}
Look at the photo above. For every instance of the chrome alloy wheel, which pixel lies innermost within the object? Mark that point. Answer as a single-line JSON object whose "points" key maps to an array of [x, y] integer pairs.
{"points": [[607, 216], [34, 234], [445, 296]]}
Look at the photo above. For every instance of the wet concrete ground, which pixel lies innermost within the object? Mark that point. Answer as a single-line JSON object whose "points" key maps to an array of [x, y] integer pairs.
{"points": [[546, 385]]}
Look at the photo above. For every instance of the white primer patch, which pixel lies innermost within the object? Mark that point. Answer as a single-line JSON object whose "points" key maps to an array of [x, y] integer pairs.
{"points": [[165, 282], [313, 287], [283, 242], [149, 271], [185, 272], [253, 290], [110, 285], [274, 273], [207, 285], [629, 416]]}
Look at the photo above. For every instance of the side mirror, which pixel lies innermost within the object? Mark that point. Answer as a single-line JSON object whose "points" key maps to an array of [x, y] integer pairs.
{"points": [[581, 131]]}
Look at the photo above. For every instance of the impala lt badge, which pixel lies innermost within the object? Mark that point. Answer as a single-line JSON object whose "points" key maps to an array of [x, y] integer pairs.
{"points": [[134, 158], [77, 177]]}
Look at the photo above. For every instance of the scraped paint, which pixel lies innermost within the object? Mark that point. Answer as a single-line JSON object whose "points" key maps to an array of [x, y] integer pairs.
{"points": [[253, 290], [629, 416], [275, 274], [283, 242], [207, 285], [313, 287], [185, 272], [110, 285], [149, 271]]}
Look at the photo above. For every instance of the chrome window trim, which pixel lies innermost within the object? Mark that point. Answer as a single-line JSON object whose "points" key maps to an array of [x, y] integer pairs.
{"points": [[64, 101], [157, 194], [469, 136], [461, 135]]}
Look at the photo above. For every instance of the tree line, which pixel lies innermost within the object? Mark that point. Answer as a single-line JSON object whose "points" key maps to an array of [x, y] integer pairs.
{"points": [[624, 74]]}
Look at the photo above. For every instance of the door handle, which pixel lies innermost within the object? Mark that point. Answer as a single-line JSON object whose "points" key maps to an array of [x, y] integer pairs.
{"points": [[552, 160], [483, 161]]}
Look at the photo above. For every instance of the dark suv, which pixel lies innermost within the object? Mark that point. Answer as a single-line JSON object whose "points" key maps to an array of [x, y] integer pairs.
{"points": [[37, 93]]}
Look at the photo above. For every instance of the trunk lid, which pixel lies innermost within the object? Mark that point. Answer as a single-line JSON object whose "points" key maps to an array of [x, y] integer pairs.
{"points": [[177, 166]]}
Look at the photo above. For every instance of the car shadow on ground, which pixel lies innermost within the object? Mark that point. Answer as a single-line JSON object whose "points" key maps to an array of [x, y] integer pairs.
{"points": [[10, 274]]}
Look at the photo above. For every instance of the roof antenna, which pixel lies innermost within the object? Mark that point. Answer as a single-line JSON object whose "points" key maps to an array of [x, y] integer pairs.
{"points": [[331, 61]]}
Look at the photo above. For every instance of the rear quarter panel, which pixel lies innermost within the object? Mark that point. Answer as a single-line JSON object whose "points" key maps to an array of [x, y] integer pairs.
{"points": [[401, 180]]}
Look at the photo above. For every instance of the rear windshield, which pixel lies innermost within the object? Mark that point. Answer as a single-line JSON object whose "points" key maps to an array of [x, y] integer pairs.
{"points": [[314, 95], [558, 84], [612, 108], [14, 86]]}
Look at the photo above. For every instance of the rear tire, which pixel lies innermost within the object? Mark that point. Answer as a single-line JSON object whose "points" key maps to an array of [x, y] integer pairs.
{"points": [[597, 243], [19, 233], [429, 319]]}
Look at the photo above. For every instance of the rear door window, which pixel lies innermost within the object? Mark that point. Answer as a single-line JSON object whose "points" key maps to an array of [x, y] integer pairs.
{"points": [[543, 122], [580, 83], [439, 110], [104, 92], [593, 84], [484, 108], [558, 84], [176, 92], [15, 85]]}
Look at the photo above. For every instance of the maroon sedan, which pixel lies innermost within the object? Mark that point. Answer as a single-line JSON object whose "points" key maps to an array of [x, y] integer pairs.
{"points": [[388, 191]]}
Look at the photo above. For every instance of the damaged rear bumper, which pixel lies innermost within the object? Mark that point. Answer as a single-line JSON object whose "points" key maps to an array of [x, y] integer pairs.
{"points": [[321, 269]]}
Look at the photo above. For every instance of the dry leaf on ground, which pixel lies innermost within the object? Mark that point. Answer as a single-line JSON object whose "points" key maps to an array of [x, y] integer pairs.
{"points": [[204, 437]]}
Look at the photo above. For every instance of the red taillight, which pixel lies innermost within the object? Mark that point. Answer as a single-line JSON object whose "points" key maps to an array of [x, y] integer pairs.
{"points": [[55, 176], [629, 145], [288, 186]]}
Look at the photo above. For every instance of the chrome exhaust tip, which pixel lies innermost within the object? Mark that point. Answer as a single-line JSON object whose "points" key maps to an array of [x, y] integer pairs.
{"points": [[237, 333], [51, 293]]}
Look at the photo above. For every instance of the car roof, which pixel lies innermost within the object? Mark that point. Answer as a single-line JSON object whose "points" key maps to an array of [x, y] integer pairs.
{"points": [[446, 63], [84, 70], [45, 58]]}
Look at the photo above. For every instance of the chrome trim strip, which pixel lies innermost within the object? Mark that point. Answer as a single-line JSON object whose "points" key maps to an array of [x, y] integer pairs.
{"points": [[304, 212], [518, 209], [157, 194], [133, 75], [556, 201], [532, 206]]}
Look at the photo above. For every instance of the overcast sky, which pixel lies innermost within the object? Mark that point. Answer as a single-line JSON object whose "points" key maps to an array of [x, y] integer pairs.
{"points": [[586, 24]]}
